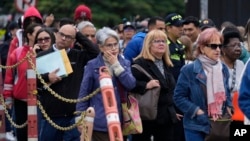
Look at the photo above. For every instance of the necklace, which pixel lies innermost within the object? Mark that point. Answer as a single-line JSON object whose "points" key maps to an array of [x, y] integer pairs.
{"points": [[233, 79]]}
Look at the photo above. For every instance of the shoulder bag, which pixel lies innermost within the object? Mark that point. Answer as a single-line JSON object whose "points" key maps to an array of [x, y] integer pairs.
{"points": [[149, 100], [219, 129], [131, 121]]}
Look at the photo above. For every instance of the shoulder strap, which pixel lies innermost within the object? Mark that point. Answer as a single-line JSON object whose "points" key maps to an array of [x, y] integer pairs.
{"points": [[138, 67]]}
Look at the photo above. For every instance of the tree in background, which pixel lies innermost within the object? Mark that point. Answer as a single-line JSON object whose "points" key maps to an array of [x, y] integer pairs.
{"points": [[105, 12]]}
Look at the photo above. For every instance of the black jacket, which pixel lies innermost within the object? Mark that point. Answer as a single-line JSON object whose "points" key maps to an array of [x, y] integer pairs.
{"points": [[69, 86], [166, 112]]}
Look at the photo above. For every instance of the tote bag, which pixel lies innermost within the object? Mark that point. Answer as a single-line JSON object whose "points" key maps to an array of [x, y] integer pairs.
{"points": [[149, 100]]}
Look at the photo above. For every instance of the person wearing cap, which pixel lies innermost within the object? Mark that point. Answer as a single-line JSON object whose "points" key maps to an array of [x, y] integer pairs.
{"points": [[82, 13], [191, 27], [206, 23], [9, 35], [129, 31], [174, 23], [174, 31], [134, 46]]}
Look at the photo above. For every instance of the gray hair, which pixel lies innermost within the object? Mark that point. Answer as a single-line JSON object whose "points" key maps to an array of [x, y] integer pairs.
{"points": [[104, 33], [84, 24]]}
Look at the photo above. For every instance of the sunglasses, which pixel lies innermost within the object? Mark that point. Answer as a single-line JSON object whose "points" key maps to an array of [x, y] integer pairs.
{"points": [[43, 40], [214, 46]]}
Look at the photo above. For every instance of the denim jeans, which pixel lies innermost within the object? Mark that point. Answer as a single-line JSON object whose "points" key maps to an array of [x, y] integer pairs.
{"points": [[191, 135], [50, 133]]}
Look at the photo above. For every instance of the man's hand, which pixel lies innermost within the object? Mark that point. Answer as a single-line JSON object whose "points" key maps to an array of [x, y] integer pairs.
{"points": [[53, 78]]}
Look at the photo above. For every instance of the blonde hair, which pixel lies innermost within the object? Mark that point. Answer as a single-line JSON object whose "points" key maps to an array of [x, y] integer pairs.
{"points": [[145, 52]]}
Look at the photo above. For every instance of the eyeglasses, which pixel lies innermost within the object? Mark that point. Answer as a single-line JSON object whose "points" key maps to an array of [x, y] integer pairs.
{"points": [[43, 40], [234, 45], [111, 46], [214, 46], [67, 37], [159, 41]]}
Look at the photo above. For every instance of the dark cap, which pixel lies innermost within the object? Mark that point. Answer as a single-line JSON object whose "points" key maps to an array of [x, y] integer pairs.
{"points": [[206, 23], [174, 19], [127, 25], [13, 25]]}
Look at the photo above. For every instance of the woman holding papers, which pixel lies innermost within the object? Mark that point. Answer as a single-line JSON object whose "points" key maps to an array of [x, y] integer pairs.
{"points": [[15, 85], [120, 71]]}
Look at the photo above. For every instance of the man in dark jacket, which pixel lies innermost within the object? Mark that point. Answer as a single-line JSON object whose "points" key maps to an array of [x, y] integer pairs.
{"points": [[61, 112]]}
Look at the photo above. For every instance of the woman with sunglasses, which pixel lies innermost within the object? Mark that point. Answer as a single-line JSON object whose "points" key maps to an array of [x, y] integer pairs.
{"points": [[44, 39], [202, 92]]}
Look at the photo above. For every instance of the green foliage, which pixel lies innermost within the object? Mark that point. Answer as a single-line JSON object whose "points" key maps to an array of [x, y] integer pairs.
{"points": [[107, 12]]}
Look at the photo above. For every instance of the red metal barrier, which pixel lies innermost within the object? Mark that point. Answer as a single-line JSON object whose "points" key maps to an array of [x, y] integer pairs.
{"points": [[31, 102]]}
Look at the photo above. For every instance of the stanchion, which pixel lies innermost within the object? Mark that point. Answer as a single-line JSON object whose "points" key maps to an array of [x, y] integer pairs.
{"points": [[31, 102], [110, 105], [88, 124]]}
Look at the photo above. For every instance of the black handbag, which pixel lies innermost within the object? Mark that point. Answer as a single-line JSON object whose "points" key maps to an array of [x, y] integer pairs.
{"points": [[219, 129]]}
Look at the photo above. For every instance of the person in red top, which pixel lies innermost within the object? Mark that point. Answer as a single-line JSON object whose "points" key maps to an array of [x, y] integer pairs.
{"points": [[31, 15], [15, 83]]}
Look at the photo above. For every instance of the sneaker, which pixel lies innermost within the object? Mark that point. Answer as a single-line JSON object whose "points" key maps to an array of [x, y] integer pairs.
{"points": [[10, 136]]}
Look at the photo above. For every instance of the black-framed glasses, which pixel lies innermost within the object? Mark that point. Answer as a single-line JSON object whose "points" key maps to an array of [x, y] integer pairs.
{"points": [[43, 40], [214, 46], [67, 37]]}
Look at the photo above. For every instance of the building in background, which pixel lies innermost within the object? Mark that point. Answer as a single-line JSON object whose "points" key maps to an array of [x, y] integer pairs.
{"points": [[235, 11]]}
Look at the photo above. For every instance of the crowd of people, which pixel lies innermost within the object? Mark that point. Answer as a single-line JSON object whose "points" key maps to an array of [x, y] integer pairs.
{"points": [[201, 68]]}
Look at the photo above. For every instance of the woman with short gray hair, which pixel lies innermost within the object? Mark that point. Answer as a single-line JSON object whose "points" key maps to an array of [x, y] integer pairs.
{"points": [[122, 78]]}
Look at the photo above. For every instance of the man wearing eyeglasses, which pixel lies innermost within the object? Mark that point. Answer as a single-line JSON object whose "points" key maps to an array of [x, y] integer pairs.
{"points": [[59, 111]]}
